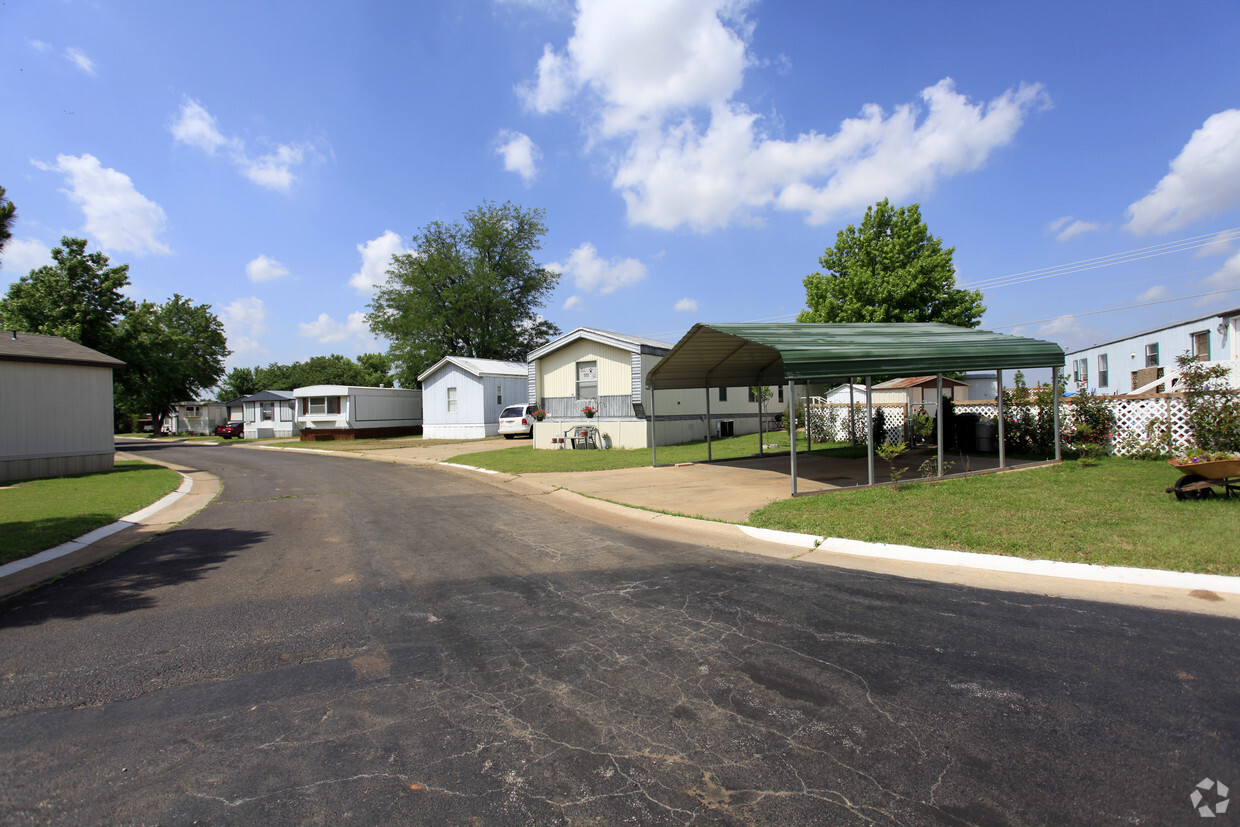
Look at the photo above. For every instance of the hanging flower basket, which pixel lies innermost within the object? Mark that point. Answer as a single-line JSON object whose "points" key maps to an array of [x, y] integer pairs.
{"points": [[589, 412], [540, 415]]}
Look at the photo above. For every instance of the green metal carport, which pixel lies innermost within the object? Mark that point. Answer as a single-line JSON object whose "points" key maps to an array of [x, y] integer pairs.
{"points": [[735, 355]]}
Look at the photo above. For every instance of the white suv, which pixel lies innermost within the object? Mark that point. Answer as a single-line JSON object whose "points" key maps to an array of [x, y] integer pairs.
{"points": [[517, 419]]}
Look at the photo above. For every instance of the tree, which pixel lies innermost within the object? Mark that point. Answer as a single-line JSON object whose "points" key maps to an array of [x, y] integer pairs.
{"points": [[174, 351], [891, 269], [77, 297], [376, 370], [471, 289], [8, 212], [237, 383]]}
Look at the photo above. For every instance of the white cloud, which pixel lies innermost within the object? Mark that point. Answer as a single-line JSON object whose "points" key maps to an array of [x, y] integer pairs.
{"points": [[21, 255], [1155, 293], [245, 321], [265, 268], [119, 217], [79, 59], [195, 126], [274, 170], [519, 153], [326, 330], [376, 259], [1204, 180], [1067, 331], [1221, 245], [1072, 228], [686, 305], [659, 80], [594, 275], [1226, 277], [40, 46], [571, 302]]}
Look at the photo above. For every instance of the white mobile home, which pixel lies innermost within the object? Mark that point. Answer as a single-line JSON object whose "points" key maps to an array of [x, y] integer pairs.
{"points": [[606, 371], [462, 398], [268, 414], [1136, 363], [196, 417], [56, 406], [346, 412]]}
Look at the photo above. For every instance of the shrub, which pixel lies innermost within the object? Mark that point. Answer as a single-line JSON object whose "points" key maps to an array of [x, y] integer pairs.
{"points": [[1213, 408]]}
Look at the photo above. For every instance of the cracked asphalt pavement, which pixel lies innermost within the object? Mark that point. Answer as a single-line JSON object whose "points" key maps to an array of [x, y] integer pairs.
{"points": [[338, 640]]}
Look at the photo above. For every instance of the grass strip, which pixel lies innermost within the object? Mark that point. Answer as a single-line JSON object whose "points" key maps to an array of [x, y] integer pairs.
{"points": [[526, 460], [1115, 514], [40, 514]]}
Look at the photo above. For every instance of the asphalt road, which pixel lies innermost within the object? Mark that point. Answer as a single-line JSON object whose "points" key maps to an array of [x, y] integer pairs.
{"points": [[340, 640]]}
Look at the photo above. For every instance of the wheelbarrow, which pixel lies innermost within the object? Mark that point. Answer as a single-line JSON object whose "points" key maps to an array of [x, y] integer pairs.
{"points": [[1200, 478]]}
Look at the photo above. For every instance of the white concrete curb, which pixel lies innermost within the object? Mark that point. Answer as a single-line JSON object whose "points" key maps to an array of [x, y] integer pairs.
{"points": [[1045, 568], [467, 467], [187, 485], [787, 538]]}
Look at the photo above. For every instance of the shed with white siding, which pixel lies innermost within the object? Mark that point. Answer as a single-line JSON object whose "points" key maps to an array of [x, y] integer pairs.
{"points": [[56, 406], [462, 397], [268, 414]]}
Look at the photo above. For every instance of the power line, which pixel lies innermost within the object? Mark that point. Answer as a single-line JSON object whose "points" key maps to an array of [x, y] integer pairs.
{"points": [[1166, 248], [1114, 309]]}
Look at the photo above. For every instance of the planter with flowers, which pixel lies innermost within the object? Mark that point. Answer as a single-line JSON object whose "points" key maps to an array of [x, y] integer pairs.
{"points": [[1204, 469], [539, 414], [589, 411]]}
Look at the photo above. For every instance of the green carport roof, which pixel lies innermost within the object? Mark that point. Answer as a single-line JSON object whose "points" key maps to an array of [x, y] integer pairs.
{"points": [[734, 355]]}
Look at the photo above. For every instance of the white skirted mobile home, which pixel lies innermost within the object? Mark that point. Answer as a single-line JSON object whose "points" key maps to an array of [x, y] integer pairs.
{"points": [[358, 411]]}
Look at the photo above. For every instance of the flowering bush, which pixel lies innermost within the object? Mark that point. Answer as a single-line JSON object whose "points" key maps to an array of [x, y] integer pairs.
{"points": [[589, 411]]}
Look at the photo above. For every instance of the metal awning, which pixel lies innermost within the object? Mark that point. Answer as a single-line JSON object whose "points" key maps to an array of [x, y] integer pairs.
{"points": [[734, 355], [737, 355]]}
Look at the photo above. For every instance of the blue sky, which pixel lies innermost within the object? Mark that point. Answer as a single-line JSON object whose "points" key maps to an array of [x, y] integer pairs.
{"points": [[694, 158]]}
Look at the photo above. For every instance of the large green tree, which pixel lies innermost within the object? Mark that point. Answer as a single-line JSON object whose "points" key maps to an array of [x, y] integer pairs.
{"points": [[468, 289], [78, 296], [890, 269], [8, 213], [237, 383], [174, 351]]}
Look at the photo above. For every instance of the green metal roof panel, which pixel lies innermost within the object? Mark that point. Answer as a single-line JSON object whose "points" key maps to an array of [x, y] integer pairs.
{"points": [[748, 354]]}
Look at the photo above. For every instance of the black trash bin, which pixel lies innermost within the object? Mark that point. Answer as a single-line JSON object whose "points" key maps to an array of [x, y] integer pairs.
{"points": [[966, 432]]}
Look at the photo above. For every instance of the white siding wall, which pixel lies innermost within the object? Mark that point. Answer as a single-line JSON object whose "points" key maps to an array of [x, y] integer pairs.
{"points": [[558, 370], [1128, 355], [53, 415], [469, 401]]}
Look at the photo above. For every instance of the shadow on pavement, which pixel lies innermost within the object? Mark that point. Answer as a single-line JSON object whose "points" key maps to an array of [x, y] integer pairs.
{"points": [[126, 583]]}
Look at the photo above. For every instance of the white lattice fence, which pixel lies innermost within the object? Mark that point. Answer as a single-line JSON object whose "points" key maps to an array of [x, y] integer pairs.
{"points": [[1132, 419], [831, 422]]}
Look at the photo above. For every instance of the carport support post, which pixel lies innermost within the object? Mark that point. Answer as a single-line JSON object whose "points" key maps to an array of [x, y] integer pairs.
{"points": [[938, 414], [999, 404], [809, 438], [761, 439], [869, 426], [654, 442], [1055, 408], [792, 456], [708, 456]]}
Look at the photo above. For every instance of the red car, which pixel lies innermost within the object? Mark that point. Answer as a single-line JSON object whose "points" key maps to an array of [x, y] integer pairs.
{"points": [[232, 429]]}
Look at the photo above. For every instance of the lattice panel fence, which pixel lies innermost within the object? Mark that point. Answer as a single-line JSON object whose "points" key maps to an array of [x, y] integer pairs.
{"points": [[831, 422], [1132, 419]]}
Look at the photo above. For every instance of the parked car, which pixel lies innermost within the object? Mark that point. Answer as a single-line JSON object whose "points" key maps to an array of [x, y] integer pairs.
{"points": [[517, 419], [232, 429]]}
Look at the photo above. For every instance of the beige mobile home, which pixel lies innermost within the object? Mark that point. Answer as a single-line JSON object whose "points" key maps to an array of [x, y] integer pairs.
{"points": [[56, 406], [606, 371]]}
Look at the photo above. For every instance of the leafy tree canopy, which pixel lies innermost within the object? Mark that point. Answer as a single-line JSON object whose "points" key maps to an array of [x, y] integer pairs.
{"points": [[8, 213], [469, 289], [369, 371], [174, 351], [77, 297], [891, 269]]}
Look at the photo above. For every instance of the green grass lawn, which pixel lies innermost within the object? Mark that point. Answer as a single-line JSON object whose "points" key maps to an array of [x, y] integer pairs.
{"points": [[364, 444], [39, 514], [526, 460], [1115, 513]]}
